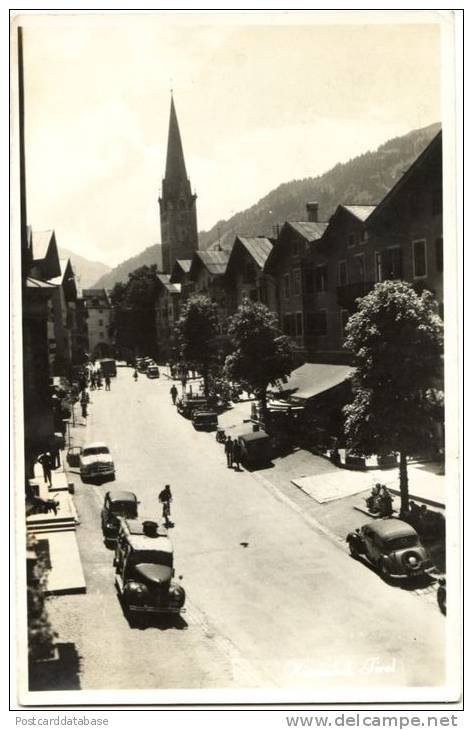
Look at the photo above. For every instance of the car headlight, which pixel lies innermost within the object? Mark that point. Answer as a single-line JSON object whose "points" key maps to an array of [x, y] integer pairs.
{"points": [[177, 595]]}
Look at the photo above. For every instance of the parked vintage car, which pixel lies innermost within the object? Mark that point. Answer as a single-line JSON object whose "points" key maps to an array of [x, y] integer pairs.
{"points": [[204, 420], [190, 403], [256, 448], [392, 546], [152, 371], [144, 570], [117, 504], [95, 461]]}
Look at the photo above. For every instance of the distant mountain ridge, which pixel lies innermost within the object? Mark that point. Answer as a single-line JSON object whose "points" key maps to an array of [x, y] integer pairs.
{"points": [[85, 271], [365, 179]]}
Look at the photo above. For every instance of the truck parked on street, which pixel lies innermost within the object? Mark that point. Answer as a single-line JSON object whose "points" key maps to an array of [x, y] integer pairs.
{"points": [[144, 570], [108, 366]]}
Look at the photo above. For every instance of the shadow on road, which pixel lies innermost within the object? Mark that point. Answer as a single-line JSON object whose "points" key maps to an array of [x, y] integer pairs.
{"points": [[60, 672], [162, 622]]}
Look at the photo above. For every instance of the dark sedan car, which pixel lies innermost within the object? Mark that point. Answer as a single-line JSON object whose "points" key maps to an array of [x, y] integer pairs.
{"points": [[392, 546], [117, 504]]}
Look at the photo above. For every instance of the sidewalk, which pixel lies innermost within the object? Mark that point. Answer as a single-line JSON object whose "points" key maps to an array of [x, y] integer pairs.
{"points": [[58, 533]]}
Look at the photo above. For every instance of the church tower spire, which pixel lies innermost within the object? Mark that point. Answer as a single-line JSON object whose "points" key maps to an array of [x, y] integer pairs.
{"points": [[177, 205]]}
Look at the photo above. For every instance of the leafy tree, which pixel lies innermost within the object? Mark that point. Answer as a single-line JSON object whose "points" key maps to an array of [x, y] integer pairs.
{"points": [[134, 310], [197, 330], [262, 355], [41, 635], [396, 339]]}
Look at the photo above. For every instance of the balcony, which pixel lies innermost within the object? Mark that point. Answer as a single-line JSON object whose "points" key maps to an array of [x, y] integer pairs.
{"points": [[349, 293]]}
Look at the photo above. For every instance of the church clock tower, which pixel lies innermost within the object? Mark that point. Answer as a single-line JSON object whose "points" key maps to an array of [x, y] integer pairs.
{"points": [[177, 204]]}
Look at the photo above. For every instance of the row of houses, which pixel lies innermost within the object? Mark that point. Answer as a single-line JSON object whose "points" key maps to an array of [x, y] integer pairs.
{"points": [[313, 271]]}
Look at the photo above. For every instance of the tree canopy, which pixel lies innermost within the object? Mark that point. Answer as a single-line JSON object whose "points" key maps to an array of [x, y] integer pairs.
{"points": [[197, 331], [134, 305], [261, 354], [396, 340]]}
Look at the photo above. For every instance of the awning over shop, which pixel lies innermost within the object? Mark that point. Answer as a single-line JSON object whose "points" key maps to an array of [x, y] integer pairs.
{"points": [[313, 379]]}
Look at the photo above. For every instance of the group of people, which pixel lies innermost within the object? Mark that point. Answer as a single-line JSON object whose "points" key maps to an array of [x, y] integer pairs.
{"points": [[233, 453], [96, 380], [380, 501]]}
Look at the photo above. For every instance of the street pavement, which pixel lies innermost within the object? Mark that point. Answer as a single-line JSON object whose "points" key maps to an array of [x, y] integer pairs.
{"points": [[274, 600]]}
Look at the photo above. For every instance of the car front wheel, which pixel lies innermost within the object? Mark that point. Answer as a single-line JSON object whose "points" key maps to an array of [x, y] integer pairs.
{"points": [[353, 551]]}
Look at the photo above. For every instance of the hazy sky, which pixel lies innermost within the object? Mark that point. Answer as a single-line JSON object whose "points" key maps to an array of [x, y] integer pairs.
{"points": [[257, 106]]}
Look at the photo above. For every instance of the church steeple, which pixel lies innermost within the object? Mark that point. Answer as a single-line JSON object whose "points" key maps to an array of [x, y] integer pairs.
{"points": [[177, 205], [176, 175]]}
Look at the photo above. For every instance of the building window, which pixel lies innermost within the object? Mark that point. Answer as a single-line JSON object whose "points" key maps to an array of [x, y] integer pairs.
{"points": [[100, 322], [320, 278], [296, 276], [360, 267], [342, 273], [419, 259], [289, 324], [100, 311], [439, 254], [388, 264], [351, 239], [287, 286], [378, 267], [437, 202], [364, 236], [299, 327], [317, 322], [101, 335], [344, 317], [308, 281], [296, 248]]}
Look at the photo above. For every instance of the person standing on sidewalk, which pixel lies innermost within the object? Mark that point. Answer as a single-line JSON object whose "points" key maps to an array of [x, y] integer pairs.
{"points": [[107, 382], [173, 392], [236, 454], [46, 462], [228, 451]]}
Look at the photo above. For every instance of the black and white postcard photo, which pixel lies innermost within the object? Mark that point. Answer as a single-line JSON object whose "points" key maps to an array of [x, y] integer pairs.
{"points": [[234, 253]]}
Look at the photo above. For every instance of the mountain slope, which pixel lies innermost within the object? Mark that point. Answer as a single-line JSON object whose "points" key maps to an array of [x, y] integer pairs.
{"points": [[87, 272], [364, 179], [151, 255]]}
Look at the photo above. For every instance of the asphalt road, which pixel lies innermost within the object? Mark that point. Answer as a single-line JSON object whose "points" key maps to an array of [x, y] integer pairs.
{"points": [[272, 601]]}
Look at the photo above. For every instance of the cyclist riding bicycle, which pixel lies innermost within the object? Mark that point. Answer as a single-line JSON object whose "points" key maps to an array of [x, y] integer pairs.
{"points": [[165, 497]]}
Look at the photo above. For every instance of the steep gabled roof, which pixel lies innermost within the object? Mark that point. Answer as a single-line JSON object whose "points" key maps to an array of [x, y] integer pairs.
{"points": [[310, 230], [214, 261], [99, 294], [180, 268], [41, 241], [167, 285], [362, 212], [259, 248], [434, 147]]}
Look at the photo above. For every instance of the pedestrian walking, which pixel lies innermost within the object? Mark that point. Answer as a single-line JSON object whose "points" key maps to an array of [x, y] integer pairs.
{"points": [[228, 451], [173, 392], [84, 410], [46, 462], [165, 498], [107, 382], [236, 454]]}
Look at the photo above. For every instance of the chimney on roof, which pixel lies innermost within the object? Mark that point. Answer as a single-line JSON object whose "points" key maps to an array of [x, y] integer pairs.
{"points": [[312, 212]]}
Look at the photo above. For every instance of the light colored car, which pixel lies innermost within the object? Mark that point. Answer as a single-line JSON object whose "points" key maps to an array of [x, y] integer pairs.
{"points": [[95, 461]]}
